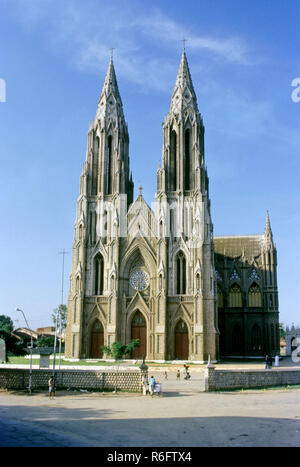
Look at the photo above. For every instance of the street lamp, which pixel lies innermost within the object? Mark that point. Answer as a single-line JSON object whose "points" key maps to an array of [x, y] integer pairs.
{"points": [[31, 348]]}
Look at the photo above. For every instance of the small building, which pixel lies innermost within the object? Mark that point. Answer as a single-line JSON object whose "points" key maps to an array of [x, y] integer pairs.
{"points": [[46, 331]]}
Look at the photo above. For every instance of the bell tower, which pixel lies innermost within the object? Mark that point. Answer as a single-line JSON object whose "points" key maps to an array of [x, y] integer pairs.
{"points": [[106, 191], [183, 208]]}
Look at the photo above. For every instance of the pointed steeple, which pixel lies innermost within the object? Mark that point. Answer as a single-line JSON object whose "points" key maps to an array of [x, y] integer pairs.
{"points": [[183, 137], [110, 100], [183, 92], [110, 85], [184, 78], [268, 235]]}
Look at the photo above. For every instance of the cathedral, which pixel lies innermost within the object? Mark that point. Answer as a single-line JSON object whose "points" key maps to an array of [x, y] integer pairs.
{"points": [[158, 273]]}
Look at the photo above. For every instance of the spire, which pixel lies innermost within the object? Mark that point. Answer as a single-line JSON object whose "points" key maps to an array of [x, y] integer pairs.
{"points": [[184, 76], [268, 235], [268, 225], [110, 82], [183, 92], [110, 89]]}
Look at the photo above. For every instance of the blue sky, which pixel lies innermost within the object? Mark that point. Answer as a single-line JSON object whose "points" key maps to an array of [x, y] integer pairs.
{"points": [[243, 56]]}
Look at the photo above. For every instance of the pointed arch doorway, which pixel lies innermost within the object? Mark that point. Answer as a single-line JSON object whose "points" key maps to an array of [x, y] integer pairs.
{"points": [[181, 341], [139, 331], [97, 339]]}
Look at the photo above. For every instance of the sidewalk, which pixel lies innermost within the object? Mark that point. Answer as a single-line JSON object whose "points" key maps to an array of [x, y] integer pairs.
{"points": [[285, 362]]}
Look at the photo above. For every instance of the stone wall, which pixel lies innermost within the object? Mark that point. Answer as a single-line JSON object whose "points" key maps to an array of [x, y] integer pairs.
{"points": [[237, 379], [15, 378]]}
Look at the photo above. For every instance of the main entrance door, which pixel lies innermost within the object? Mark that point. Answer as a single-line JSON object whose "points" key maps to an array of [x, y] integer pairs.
{"points": [[138, 331], [97, 340], [181, 341]]}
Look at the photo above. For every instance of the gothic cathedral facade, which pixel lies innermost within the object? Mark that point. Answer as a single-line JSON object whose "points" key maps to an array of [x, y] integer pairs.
{"points": [[158, 274]]}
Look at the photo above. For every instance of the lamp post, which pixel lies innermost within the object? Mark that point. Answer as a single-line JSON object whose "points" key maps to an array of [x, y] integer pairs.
{"points": [[54, 348], [31, 348]]}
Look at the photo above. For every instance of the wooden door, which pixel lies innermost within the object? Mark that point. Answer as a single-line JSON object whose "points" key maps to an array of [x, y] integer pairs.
{"points": [[181, 341], [97, 340], [139, 331]]}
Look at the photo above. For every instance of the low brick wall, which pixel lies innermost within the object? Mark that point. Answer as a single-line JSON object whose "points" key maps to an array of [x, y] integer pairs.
{"points": [[15, 378], [238, 379]]}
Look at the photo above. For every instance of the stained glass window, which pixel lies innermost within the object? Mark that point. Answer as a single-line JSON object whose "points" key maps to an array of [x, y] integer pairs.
{"points": [[254, 296], [234, 276], [235, 296]]}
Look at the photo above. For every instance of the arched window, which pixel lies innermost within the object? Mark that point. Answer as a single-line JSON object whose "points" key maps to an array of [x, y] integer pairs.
{"points": [[173, 161], [172, 223], [235, 296], [187, 167], [95, 166], [256, 340], [180, 274], [254, 295], [109, 165], [98, 275], [220, 297], [161, 229], [198, 285]]}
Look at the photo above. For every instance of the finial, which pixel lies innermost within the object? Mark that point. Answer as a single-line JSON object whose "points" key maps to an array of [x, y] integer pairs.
{"points": [[184, 42], [140, 188]]}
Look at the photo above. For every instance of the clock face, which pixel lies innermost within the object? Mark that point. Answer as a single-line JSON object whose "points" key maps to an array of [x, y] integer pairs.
{"points": [[139, 280]]}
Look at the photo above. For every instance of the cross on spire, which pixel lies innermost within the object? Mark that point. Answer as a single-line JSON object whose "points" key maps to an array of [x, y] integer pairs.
{"points": [[184, 42], [112, 51]]}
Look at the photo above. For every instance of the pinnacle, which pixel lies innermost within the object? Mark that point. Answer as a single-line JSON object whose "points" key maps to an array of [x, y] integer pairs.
{"points": [[110, 88], [183, 86], [268, 225], [183, 76], [110, 82], [268, 232]]}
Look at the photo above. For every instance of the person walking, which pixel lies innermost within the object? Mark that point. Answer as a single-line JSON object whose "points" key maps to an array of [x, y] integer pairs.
{"points": [[166, 375], [178, 374], [152, 385], [270, 361], [52, 389], [267, 362], [144, 385]]}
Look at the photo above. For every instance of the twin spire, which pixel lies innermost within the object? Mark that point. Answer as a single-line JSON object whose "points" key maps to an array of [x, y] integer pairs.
{"points": [[183, 85]]}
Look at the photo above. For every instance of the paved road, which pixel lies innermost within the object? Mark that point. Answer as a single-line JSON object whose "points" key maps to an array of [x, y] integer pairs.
{"points": [[181, 417]]}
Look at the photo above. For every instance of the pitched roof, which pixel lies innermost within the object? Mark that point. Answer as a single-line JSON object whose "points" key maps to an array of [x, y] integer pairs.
{"points": [[237, 245]]}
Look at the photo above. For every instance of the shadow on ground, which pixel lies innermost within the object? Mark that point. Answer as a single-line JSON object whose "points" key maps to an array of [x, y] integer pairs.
{"points": [[60, 426]]}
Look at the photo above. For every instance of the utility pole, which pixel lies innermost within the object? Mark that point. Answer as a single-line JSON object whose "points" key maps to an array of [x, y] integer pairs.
{"points": [[58, 317]]}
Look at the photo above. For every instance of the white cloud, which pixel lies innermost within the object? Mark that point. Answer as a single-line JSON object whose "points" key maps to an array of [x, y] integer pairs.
{"points": [[85, 31]]}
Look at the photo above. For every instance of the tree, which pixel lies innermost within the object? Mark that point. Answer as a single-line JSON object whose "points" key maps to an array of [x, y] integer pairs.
{"points": [[45, 341], [118, 351], [60, 314], [6, 326], [282, 331], [13, 345]]}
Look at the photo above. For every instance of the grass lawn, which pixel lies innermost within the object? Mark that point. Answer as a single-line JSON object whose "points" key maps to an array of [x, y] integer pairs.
{"points": [[26, 361]]}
